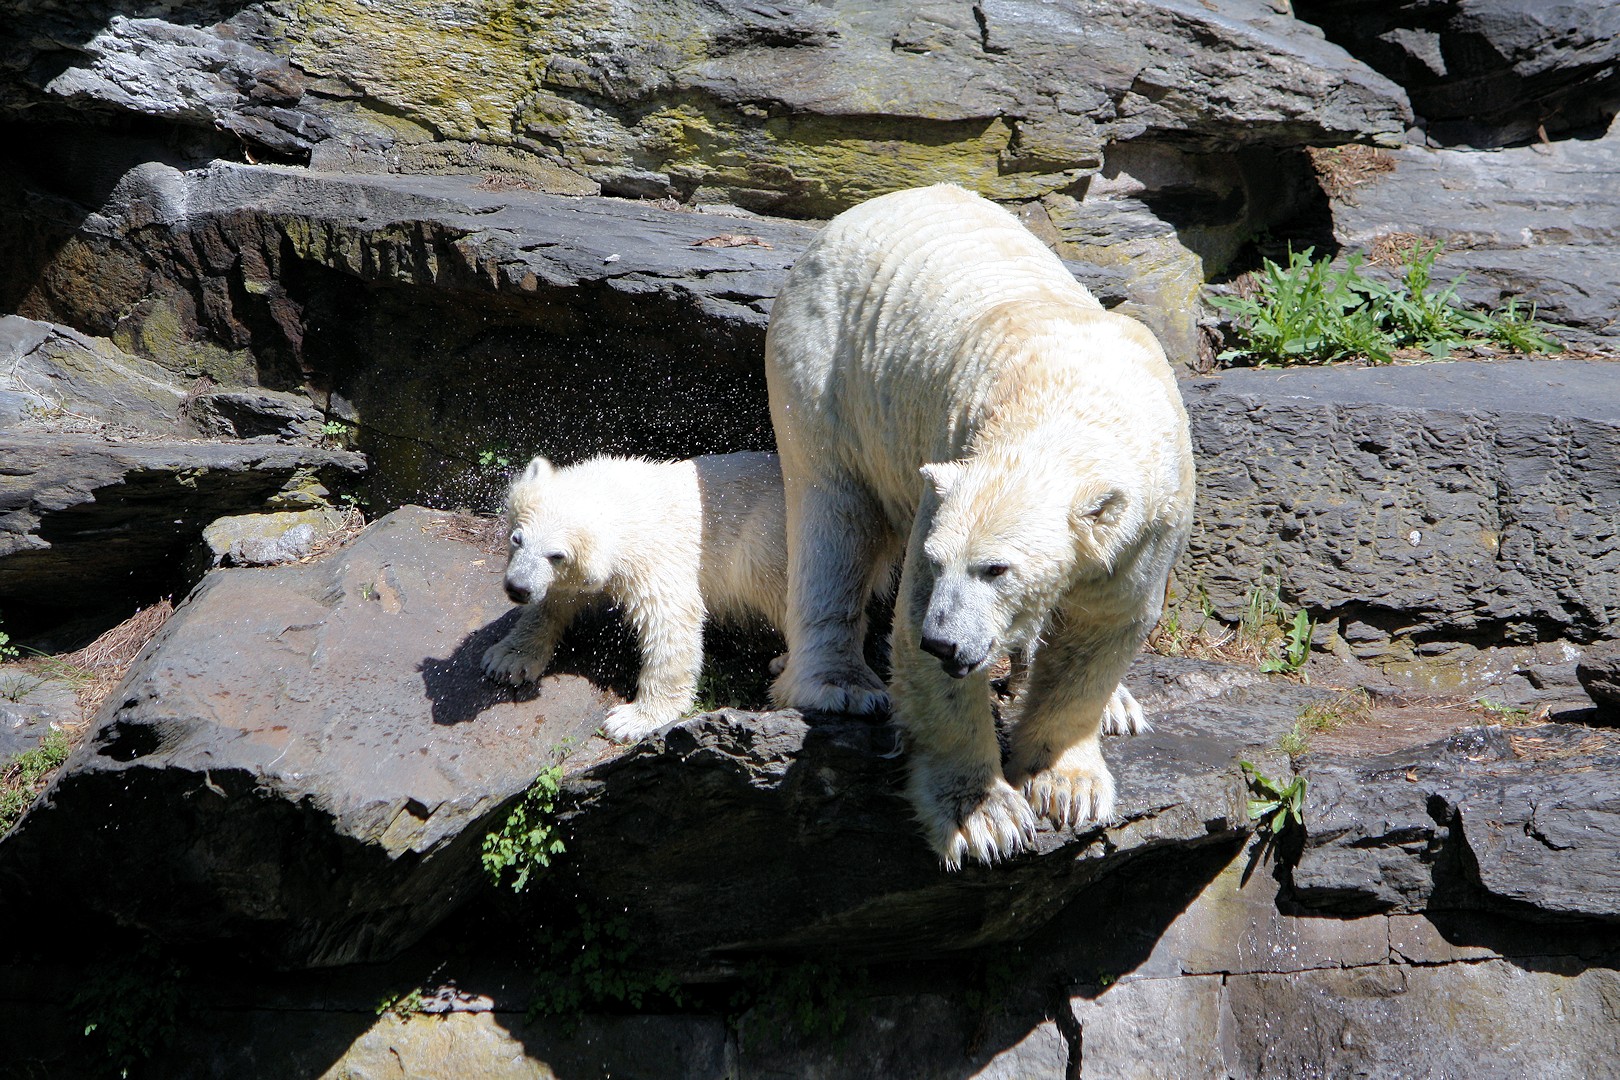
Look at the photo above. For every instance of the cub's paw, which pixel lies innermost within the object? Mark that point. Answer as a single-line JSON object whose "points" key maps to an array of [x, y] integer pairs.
{"points": [[505, 662], [777, 665], [1076, 789], [969, 815], [636, 720], [853, 690], [1122, 715]]}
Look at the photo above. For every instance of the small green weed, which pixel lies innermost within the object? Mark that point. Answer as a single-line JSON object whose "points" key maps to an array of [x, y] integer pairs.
{"points": [[808, 999], [527, 840], [1296, 647], [404, 1005], [495, 458], [1275, 806], [737, 683], [1311, 313], [1352, 706], [132, 1010], [595, 962], [1507, 714], [24, 775]]}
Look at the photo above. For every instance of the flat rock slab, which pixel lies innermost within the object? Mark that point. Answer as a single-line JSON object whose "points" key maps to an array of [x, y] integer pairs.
{"points": [[303, 762], [1417, 505]]}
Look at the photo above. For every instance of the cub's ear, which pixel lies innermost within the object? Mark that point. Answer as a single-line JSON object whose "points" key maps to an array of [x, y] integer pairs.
{"points": [[942, 475], [538, 469]]}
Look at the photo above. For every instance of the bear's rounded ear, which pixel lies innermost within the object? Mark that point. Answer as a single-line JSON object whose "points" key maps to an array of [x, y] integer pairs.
{"points": [[943, 475], [1097, 505], [538, 469]]}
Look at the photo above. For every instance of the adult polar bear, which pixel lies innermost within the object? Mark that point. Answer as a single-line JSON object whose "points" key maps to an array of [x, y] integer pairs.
{"points": [[938, 379]]}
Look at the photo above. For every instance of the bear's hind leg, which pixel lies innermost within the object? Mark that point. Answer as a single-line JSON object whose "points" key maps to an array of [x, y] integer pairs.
{"points": [[837, 541], [669, 626]]}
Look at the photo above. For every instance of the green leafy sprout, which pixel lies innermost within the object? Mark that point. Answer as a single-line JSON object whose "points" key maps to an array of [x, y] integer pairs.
{"points": [[1311, 312], [1274, 805], [1296, 647], [23, 776], [527, 840]]}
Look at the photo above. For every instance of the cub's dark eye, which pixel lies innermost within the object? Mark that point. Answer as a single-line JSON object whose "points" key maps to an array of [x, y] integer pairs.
{"points": [[555, 557], [517, 538], [995, 570]]}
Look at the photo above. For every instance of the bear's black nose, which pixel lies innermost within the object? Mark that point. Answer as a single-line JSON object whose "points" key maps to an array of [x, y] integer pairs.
{"points": [[517, 594], [950, 657]]}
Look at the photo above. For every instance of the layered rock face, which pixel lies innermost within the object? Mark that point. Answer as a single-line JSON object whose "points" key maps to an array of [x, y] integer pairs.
{"points": [[266, 262]]}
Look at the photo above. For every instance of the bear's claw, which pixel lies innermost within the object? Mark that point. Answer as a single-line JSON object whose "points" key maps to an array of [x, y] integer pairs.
{"points": [[861, 693], [632, 721], [1123, 715], [505, 663], [1077, 789]]}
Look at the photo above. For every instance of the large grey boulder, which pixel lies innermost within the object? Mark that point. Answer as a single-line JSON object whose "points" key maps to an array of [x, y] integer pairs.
{"points": [[1487, 72], [1523, 821], [53, 376], [1414, 507]]}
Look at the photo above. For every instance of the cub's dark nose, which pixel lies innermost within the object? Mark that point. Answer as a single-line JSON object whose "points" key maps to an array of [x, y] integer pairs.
{"points": [[949, 657], [516, 594]]}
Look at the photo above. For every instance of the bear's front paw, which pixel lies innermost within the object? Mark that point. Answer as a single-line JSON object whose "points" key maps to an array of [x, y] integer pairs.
{"points": [[854, 690], [1122, 715], [969, 815], [505, 662], [1076, 789], [637, 720]]}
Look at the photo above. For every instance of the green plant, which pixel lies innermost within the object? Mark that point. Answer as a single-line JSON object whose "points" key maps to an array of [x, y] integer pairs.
{"points": [[593, 962], [730, 684], [1502, 710], [1318, 717], [1310, 312], [24, 775], [8, 651], [404, 1005], [496, 458], [806, 998], [132, 1009], [1274, 806], [526, 840], [1296, 647]]}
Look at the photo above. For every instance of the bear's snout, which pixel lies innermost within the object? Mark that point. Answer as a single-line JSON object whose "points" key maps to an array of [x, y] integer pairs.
{"points": [[950, 656], [518, 594]]}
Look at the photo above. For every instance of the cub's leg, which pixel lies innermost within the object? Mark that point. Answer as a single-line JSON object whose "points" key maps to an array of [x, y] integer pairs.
{"points": [[966, 807], [669, 625], [837, 539], [525, 652]]}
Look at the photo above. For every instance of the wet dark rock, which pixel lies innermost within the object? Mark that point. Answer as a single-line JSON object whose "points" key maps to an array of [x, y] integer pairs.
{"points": [[1524, 821], [89, 523], [303, 763]]}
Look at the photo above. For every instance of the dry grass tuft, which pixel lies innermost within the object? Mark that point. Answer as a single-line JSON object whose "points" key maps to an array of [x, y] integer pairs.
{"points": [[101, 665], [487, 534], [1339, 169], [351, 525]]}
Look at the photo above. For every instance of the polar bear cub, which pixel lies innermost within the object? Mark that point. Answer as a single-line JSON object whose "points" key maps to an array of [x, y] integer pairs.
{"points": [[669, 542], [940, 383]]}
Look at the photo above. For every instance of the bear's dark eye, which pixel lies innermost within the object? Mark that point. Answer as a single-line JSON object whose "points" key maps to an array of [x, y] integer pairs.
{"points": [[555, 557], [517, 538], [995, 569]]}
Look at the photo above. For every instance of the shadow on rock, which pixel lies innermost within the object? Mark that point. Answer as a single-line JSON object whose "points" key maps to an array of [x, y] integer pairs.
{"points": [[597, 648]]}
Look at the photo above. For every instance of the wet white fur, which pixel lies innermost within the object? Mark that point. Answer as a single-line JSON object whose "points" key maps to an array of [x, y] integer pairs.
{"points": [[929, 328], [669, 542]]}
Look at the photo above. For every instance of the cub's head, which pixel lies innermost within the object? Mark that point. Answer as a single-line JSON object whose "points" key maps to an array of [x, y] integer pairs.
{"points": [[548, 544], [1008, 539]]}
